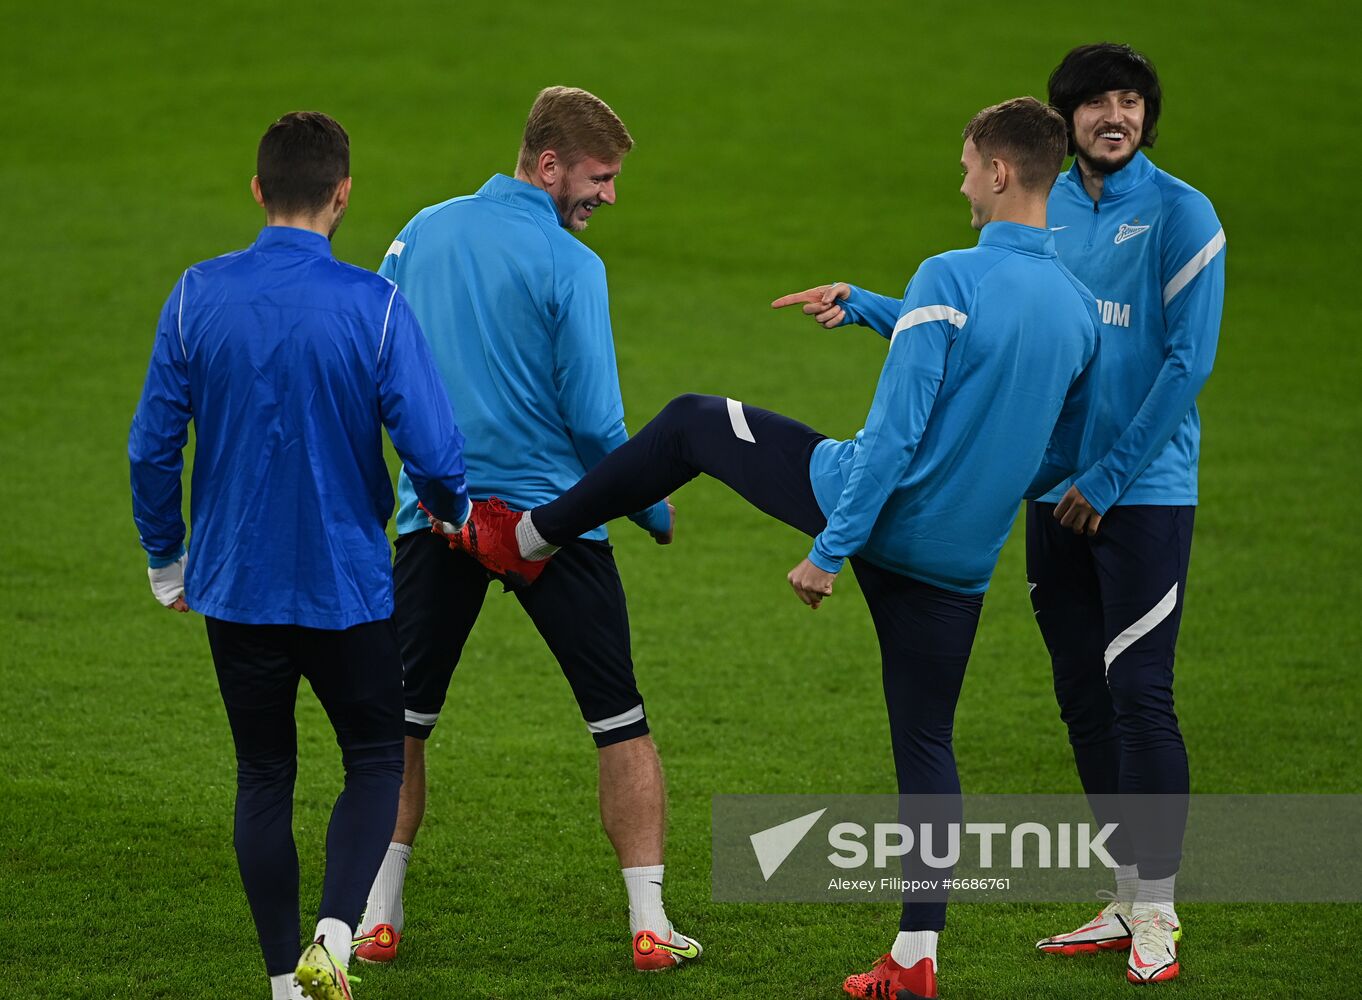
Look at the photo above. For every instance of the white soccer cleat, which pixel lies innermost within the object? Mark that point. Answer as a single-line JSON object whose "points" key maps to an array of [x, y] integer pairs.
{"points": [[1109, 930], [1154, 948]]}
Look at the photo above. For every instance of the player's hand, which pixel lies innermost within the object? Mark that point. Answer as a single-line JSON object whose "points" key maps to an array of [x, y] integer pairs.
{"points": [[668, 536], [820, 302], [1074, 512], [810, 583], [167, 585], [445, 529]]}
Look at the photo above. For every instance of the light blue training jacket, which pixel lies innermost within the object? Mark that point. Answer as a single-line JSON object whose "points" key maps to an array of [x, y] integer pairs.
{"points": [[984, 398], [1153, 253], [518, 318]]}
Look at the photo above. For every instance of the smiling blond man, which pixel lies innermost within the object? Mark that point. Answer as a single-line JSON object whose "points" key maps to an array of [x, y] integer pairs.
{"points": [[519, 324]]}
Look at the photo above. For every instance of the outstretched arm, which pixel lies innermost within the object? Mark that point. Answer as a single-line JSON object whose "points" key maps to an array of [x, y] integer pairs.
{"points": [[838, 304]]}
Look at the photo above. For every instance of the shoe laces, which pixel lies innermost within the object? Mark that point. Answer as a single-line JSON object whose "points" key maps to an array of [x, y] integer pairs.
{"points": [[1114, 903], [498, 505], [1152, 933]]}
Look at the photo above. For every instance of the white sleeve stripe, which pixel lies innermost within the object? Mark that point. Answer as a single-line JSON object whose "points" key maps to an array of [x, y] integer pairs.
{"points": [[179, 315], [928, 314], [395, 250], [1193, 267], [386, 316]]}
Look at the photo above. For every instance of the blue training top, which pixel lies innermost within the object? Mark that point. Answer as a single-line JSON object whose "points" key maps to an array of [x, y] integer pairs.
{"points": [[984, 397], [1152, 251], [290, 363], [518, 318]]}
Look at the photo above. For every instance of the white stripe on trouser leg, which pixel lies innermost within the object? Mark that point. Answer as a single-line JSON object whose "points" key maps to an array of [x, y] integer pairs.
{"points": [[423, 718], [739, 422], [1142, 627], [628, 718]]}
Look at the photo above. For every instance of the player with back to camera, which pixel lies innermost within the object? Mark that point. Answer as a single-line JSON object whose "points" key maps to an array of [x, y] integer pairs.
{"points": [[1107, 552], [518, 317], [290, 364], [983, 398]]}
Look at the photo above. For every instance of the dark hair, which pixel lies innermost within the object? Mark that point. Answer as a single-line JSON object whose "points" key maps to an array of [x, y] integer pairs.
{"points": [[302, 157], [1027, 134], [1090, 70]]}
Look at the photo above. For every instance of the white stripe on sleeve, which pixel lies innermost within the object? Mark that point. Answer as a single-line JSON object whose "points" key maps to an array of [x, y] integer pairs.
{"points": [[179, 315], [1193, 267], [928, 314], [386, 316]]}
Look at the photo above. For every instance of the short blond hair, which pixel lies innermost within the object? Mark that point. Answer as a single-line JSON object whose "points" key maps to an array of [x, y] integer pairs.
{"points": [[574, 124]]}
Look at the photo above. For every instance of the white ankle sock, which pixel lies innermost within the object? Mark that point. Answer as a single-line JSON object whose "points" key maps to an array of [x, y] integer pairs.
{"points": [[531, 542], [337, 936], [284, 988], [1127, 882], [645, 898], [911, 947], [1158, 893], [385, 895]]}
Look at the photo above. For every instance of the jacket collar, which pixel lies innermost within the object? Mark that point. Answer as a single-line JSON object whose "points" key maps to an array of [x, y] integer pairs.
{"points": [[1015, 236], [1133, 174], [519, 194], [290, 238]]}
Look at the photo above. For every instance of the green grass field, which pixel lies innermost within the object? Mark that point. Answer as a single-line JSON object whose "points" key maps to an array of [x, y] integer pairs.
{"points": [[779, 145]]}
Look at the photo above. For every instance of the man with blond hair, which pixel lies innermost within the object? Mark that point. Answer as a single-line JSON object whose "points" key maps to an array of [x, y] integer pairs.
{"points": [[518, 318]]}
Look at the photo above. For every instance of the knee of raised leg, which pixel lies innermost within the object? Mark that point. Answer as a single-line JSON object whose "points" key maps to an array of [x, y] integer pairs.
{"points": [[686, 407]]}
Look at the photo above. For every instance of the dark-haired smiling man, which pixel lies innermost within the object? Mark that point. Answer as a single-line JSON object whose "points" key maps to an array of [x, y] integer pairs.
{"points": [[1107, 552]]}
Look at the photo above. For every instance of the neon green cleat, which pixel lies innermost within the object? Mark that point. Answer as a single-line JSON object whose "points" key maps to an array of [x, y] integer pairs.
{"points": [[320, 976]]}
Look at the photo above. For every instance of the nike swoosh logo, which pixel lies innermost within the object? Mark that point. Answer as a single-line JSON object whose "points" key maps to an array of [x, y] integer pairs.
{"points": [[1140, 964], [689, 951], [1129, 232]]}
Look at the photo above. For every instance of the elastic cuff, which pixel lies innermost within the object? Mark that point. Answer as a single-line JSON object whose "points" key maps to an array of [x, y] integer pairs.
{"points": [[825, 563], [467, 512], [1092, 492], [161, 562]]}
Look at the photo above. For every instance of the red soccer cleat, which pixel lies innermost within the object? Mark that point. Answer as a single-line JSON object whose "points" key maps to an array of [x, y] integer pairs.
{"points": [[653, 953], [891, 981], [378, 945], [489, 537]]}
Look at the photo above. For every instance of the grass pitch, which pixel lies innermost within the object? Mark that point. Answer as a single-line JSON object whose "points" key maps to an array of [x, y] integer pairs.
{"points": [[778, 146]]}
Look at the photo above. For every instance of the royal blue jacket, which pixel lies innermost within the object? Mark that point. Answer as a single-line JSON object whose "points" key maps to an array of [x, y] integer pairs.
{"points": [[984, 398], [518, 318], [289, 363], [1153, 253]]}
